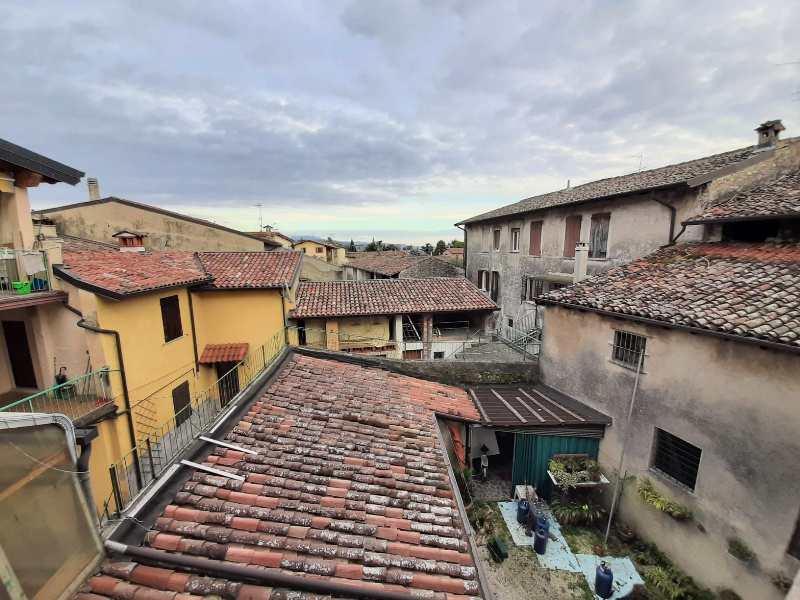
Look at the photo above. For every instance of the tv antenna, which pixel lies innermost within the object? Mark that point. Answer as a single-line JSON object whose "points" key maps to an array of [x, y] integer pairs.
{"points": [[260, 217], [640, 157]]}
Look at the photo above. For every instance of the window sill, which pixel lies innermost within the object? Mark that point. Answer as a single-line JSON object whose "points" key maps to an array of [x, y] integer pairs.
{"points": [[625, 365], [534, 255], [599, 259], [514, 251], [174, 340], [670, 480]]}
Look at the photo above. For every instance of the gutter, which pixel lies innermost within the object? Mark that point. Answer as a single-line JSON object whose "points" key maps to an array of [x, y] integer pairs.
{"points": [[694, 330], [131, 430], [268, 577], [672, 212], [465, 247]]}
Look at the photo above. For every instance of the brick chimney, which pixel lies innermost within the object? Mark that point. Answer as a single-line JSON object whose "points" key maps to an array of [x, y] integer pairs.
{"points": [[581, 261], [769, 132], [94, 188]]}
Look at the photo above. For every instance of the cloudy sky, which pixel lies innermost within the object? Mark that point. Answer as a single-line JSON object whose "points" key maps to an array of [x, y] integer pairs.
{"points": [[396, 119]]}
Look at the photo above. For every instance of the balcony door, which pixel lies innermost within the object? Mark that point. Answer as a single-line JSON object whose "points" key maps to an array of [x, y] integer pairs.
{"points": [[19, 354]]}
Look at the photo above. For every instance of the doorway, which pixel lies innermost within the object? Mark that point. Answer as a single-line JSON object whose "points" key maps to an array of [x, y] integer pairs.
{"points": [[301, 332], [19, 354], [228, 384]]}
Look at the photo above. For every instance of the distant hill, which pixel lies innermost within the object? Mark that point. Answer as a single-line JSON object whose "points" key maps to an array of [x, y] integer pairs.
{"points": [[346, 243]]}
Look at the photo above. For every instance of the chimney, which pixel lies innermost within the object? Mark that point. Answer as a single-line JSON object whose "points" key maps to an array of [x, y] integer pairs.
{"points": [[769, 132], [94, 188], [130, 241], [581, 260]]}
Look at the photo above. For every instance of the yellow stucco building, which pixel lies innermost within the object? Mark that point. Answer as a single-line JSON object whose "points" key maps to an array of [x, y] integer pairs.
{"points": [[327, 251]]}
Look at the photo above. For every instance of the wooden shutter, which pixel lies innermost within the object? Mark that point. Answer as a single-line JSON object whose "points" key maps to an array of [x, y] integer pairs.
{"points": [[535, 248], [572, 235], [598, 235], [171, 318], [495, 285], [181, 402]]}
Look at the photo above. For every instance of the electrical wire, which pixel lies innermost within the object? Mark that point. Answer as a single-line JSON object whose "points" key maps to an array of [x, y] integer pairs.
{"points": [[36, 460]]}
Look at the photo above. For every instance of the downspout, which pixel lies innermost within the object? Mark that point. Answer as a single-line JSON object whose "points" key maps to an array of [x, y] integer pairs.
{"points": [[672, 213], [194, 334], [131, 430], [465, 247]]}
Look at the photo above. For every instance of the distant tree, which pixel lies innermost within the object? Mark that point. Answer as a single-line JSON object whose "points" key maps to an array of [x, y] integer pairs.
{"points": [[374, 246], [352, 247], [427, 249], [440, 247], [408, 248], [455, 244], [390, 247]]}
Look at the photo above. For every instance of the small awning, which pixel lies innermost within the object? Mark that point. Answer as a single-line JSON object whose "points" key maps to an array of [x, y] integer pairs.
{"points": [[216, 353]]}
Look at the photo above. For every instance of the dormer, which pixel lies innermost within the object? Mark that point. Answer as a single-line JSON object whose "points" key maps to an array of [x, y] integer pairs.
{"points": [[130, 241], [769, 132]]}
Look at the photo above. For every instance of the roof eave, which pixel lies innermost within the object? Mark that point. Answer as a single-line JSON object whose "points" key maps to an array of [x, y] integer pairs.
{"points": [[31, 161], [694, 330], [711, 221], [292, 314], [62, 272]]}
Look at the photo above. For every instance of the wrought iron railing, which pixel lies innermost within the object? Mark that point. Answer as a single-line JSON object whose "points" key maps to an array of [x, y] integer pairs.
{"points": [[75, 398], [14, 271], [158, 450]]}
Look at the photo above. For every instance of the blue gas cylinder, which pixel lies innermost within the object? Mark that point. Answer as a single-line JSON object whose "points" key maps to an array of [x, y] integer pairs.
{"points": [[523, 508], [603, 580], [540, 541], [541, 521]]}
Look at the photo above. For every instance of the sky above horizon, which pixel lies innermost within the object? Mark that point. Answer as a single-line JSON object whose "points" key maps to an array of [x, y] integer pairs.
{"points": [[365, 118]]}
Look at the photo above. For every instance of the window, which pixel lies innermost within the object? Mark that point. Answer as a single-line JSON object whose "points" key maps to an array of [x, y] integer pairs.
{"points": [[171, 317], [535, 248], [485, 239], [511, 322], [572, 235], [496, 240], [627, 349], [438, 355], [533, 288], [494, 293], [304, 250], [181, 402], [483, 279], [676, 458], [319, 250], [598, 235], [515, 239]]}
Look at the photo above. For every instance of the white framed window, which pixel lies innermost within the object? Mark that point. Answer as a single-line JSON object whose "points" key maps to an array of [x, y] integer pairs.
{"points": [[515, 239], [676, 459], [628, 348], [483, 279]]}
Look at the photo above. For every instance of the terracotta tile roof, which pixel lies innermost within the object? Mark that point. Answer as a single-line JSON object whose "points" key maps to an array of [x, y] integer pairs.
{"points": [[384, 264], [780, 198], [237, 270], [76, 245], [744, 289], [626, 184], [388, 297], [349, 486], [117, 274], [214, 353], [455, 251]]}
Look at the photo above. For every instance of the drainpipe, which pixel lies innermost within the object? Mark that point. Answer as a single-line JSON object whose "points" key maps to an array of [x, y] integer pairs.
{"points": [[194, 334], [465, 248], [131, 430], [672, 213], [84, 437]]}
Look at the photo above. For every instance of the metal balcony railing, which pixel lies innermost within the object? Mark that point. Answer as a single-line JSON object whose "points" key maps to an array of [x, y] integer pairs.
{"points": [[75, 398]]}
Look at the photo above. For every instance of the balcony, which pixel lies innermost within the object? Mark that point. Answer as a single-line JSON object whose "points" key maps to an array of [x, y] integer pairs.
{"points": [[25, 279], [78, 398]]}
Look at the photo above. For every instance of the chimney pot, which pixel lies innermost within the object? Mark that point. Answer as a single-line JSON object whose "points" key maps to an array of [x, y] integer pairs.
{"points": [[581, 260], [769, 133], [94, 188]]}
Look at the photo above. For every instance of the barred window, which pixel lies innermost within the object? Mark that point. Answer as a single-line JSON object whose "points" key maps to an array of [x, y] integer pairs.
{"points": [[627, 349], [676, 458]]}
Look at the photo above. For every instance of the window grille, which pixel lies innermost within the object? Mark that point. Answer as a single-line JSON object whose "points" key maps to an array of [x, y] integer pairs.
{"points": [[627, 347], [676, 458]]}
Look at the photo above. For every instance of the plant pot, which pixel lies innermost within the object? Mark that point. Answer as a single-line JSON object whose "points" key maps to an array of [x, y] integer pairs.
{"points": [[678, 517], [626, 537], [741, 560]]}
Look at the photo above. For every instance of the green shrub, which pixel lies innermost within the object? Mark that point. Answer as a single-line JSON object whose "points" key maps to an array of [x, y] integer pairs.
{"points": [[657, 500], [576, 513], [739, 549], [665, 581]]}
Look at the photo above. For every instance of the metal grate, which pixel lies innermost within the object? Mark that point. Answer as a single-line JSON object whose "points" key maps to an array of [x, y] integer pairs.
{"points": [[677, 458], [627, 347]]}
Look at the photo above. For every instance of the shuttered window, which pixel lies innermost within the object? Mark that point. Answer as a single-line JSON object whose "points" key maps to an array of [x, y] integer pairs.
{"points": [[494, 294], [676, 458], [535, 248], [181, 403], [598, 235], [572, 235], [171, 317]]}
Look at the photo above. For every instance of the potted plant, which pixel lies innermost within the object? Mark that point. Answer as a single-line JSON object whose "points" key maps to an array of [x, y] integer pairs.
{"points": [[625, 534], [657, 500], [575, 472], [739, 550]]}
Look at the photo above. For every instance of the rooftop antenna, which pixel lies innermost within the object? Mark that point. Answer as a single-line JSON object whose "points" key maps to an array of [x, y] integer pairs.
{"points": [[640, 157], [260, 217], [162, 241]]}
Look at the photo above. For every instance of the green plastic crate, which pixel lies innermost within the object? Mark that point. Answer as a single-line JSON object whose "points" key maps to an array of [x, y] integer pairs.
{"points": [[21, 287]]}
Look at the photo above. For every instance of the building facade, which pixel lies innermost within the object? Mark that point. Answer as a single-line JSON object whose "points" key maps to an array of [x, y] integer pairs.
{"points": [[326, 251]]}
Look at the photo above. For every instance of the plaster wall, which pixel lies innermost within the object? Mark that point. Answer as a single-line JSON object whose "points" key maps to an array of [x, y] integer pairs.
{"points": [[312, 269], [737, 402], [16, 227], [431, 268], [100, 221]]}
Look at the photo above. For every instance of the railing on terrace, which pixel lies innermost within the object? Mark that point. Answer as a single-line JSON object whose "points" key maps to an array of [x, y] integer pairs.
{"points": [[75, 398], [23, 271], [154, 454]]}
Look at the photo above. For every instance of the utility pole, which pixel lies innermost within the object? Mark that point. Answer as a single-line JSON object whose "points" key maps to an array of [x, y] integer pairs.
{"points": [[627, 437]]}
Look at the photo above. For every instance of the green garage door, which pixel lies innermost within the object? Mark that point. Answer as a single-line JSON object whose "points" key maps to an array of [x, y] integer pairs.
{"points": [[532, 454]]}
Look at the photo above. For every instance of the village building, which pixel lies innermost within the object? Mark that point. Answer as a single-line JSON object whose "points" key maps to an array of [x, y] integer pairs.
{"points": [[396, 318], [329, 252], [274, 236], [521, 251], [455, 255], [314, 269], [100, 219], [705, 337], [374, 265]]}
